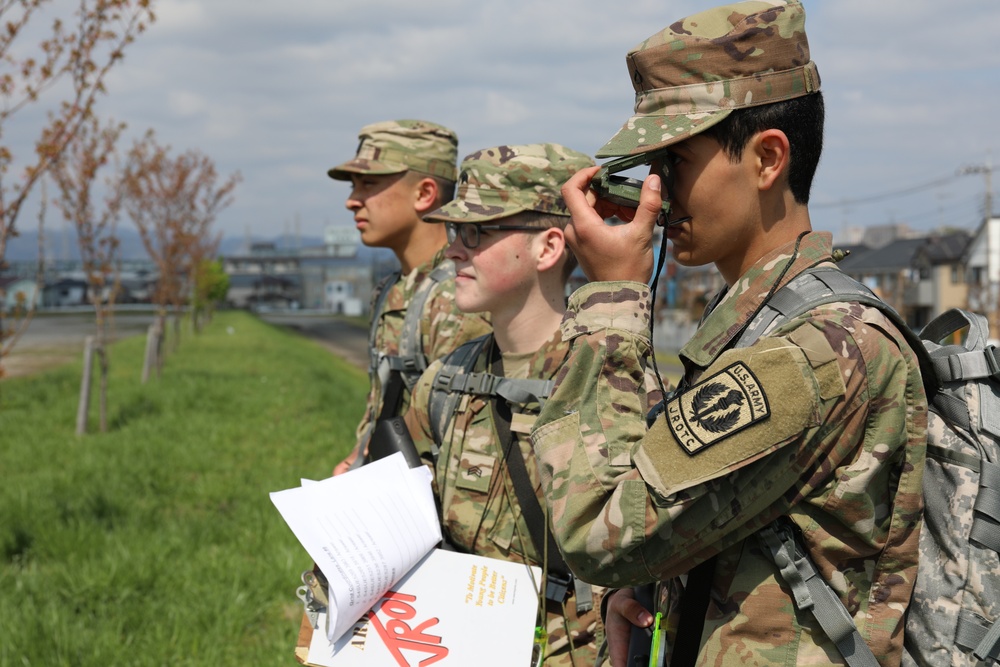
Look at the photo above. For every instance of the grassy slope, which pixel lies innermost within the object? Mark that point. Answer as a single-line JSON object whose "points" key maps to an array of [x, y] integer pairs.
{"points": [[157, 544]]}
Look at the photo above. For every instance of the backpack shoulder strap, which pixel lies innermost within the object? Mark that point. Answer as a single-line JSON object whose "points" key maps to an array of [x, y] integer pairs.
{"points": [[443, 401], [947, 370], [819, 286], [456, 379], [811, 592], [381, 294], [412, 360]]}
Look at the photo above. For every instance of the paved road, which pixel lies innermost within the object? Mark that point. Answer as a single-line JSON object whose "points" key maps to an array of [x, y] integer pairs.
{"points": [[61, 329], [343, 338], [52, 339]]}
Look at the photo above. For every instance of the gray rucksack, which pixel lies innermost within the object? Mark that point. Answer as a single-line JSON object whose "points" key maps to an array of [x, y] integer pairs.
{"points": [[952, 619], [411, 360]]}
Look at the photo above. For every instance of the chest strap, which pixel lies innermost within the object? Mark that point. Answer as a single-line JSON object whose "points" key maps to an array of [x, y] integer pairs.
{"points": [[486, 384]]}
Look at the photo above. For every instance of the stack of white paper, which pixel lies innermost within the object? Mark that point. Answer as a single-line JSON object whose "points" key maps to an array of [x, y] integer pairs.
{"points": [[365, 530], [395, 601]]}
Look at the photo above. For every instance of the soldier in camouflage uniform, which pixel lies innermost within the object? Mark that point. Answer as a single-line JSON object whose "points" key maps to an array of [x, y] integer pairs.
{"points": [[402, 170], [511, 260], [821, 420]]}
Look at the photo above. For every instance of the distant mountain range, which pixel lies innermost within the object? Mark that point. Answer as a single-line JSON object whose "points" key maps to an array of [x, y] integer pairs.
{"points": [[60, 244]]}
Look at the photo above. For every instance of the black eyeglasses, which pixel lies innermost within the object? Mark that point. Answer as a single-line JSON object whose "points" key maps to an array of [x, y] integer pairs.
{"points": [[470, 232]]}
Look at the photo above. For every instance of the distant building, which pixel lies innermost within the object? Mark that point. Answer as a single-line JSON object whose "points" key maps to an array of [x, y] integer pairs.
{"points": [[18, 292], [340, 298], [982, 266], [940, 283], [878, 236], [886, 270], [330, 277], [65, 292]]}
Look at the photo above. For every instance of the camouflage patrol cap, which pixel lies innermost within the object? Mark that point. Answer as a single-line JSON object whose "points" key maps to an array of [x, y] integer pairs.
{"points": [[692, 74], [395, 146], [499, 182]]}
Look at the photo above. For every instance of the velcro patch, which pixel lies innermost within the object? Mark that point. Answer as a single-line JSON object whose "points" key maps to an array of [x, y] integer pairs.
{"points": [[716, 408], [475, 471]]}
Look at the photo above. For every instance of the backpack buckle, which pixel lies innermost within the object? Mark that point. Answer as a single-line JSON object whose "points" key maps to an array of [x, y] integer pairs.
{"points": [[481, 384], [557, 586], [991, 360]]}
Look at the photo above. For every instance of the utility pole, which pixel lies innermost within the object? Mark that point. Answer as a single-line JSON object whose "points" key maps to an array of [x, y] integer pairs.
{"points": [[987, 171], [992, 279]]}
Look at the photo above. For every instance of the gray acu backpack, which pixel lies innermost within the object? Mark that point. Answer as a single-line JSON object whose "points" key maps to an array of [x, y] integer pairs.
{"points": [[956, 602], [952, 619]]}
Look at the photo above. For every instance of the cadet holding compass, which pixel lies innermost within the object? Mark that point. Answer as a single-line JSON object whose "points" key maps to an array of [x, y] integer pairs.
{"points": [[819, 423]]}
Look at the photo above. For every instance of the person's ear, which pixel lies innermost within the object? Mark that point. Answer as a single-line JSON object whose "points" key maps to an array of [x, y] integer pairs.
{"points": [[425, 195], [773, 156], [550, 248]]}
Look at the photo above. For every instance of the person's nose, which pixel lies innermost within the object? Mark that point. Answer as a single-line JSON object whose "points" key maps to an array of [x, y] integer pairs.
{"points": [[456, 250]]}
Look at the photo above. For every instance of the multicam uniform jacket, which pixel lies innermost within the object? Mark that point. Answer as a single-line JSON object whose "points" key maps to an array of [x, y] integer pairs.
{"points": [[480, 513], [443, 328], [822, 420]]}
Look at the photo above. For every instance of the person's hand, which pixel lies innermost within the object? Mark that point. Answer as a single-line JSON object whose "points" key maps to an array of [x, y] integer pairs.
{"points": [[622, 614], [611, 252], [345, 465]]}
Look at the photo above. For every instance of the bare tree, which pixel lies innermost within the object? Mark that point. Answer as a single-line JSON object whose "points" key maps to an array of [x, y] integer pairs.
{"points": [[77, 53], [76, 172], [174, 201]]}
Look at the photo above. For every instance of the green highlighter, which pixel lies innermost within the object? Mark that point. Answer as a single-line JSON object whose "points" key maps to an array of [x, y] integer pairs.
{"points": [[538, 651], [658, 647]]}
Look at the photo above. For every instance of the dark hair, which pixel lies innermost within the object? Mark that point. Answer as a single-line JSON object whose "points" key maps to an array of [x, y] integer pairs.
{"points": [[800, 118], [446, 190]]}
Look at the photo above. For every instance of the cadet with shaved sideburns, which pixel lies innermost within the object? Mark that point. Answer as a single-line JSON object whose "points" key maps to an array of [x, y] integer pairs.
{"points": [[819, 423], [404, 169]]}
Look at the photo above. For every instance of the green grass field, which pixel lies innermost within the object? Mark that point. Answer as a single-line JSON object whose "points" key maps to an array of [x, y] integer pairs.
{"points": [[156, 543]]}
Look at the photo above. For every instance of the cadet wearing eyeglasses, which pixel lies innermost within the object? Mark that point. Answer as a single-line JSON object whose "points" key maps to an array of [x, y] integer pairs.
{"points": [[475, 407]]}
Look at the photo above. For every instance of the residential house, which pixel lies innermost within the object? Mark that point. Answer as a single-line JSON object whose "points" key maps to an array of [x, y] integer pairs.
{"points": [[886, 271], [65, 292], [18, 293], [941, 278], [982, 266]]}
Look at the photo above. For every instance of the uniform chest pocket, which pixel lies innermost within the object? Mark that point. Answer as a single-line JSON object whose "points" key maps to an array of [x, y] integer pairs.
{"points": [[475, 472]]}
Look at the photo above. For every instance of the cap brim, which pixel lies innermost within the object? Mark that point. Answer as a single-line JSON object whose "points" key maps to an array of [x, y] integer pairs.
{"points": [[642, 134], [361, 166], [461, 211]]}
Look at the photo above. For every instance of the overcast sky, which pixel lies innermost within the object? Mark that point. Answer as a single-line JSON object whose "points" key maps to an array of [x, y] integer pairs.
{"points": [[279, 89]]}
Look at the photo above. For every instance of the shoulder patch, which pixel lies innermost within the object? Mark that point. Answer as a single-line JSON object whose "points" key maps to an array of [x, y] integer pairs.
{"points": [[716, 408]]}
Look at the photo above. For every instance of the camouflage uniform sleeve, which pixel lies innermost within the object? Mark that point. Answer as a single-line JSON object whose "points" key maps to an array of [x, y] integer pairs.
{"points": [[630, 506], [371, 401], [445, 327], [417, 418], [361, 432]]}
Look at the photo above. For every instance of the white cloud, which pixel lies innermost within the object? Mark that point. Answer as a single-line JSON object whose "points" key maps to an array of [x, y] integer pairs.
{"points": [[279, 90], [184, 103]]}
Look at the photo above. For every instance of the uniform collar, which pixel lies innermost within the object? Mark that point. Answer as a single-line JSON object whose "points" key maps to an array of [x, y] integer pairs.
{"points": [[741, 302], [416, 276]]}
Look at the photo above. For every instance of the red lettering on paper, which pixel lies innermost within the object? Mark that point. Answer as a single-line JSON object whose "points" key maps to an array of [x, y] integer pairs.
{"points": [[397, 634]]}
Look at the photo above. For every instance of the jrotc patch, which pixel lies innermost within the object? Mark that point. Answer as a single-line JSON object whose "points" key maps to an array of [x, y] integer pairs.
{"points": [[716, 408]]}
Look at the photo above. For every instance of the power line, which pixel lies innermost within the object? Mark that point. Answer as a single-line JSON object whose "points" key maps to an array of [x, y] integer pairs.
{"points": [[887, 195]]}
